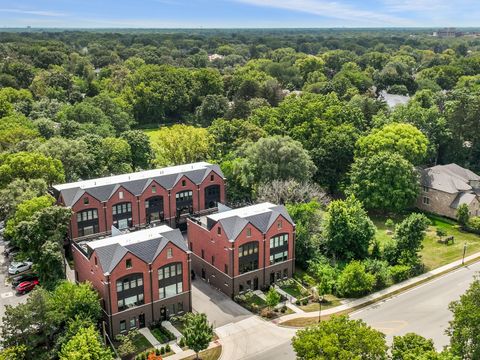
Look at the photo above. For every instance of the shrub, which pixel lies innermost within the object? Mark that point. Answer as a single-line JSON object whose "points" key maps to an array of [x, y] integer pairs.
{"points": [[474, 223], [162, 350], [400, 273], [181, 342], [304, 301], [157, 352], [354, 281], [381, 271], [267, 313], [463, 215], [297, 303], [167, 348], [389, 224], [441, 232], [283, 309]]}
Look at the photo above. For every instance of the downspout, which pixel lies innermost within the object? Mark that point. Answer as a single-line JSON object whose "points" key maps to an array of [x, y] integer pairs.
{"points": [[110, 325], [105, 216], [198, 198], [293, 249], [189, 261], [170, 207], [264, 256], [151, 291], [233, 270], [138, 208]]}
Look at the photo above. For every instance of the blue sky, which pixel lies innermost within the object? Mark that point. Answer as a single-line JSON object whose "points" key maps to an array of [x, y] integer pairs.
{"points": [[239, 13]]}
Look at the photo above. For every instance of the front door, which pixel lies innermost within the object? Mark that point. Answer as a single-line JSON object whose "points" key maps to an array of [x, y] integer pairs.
{"points": [[272, 278], [203, 274], [255, 283], [163, 314], [141, 321]]}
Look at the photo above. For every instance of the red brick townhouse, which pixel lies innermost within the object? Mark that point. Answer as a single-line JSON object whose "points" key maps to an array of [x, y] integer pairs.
{"points": [[135, 200], [245, 248], [141, 277]]}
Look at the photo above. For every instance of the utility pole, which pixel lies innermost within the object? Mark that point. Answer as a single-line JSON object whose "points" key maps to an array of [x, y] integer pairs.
{"points": [[464, 252]]}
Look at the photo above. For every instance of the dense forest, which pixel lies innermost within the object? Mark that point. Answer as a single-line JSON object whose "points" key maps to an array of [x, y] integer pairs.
{"points": [[291, 116]]}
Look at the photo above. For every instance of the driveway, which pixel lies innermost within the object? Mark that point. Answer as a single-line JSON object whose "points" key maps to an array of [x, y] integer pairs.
{"points": [[254, 338], [220, 309], [7, 293]]}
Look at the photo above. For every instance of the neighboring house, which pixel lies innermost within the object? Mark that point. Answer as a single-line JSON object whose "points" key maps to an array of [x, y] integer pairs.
{"points": [[241, 249], [393, 100], [141, 277], [133, 201], [445, 187]]}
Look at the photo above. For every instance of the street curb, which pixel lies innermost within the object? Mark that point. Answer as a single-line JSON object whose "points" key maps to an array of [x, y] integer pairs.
{"points": [[380, 298]]}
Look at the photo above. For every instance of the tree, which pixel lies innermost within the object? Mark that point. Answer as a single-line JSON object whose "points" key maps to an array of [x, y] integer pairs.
{"points": [[212, 107], [463, 215], [354, 281], [180, 144], [127, 345], [464, 329], [272, 298], [325, 276], [141, 150], [197, 332], [291, 192], [25, 165], [25, 211], [42, 238], [117, 156], [347, 229], [384, 182], [274, 158], [18, 191], [411, 347], [404, 139], [307, 218], [409, 235], [86, 344], [340, 339], [14, 353]]}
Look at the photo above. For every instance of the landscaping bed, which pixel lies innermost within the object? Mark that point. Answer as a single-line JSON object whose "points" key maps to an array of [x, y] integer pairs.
{"points": [[257, 305], [329, 301], [293, 288], [161, 334]]}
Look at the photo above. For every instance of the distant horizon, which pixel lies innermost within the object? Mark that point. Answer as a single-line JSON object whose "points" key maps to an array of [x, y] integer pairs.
{"points": [[244, 28], [236, 14]]}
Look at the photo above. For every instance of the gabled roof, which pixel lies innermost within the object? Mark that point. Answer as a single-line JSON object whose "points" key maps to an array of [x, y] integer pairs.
{"points": [[103, 188], [463, 198], [262, 216], [145, 244], [449, 178]]}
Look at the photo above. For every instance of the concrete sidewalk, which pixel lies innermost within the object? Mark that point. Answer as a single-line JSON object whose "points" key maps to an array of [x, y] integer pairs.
{"points": [[350, 304], [187, 353]]}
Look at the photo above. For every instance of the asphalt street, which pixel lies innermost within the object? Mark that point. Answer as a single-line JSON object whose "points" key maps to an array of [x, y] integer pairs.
{"points": [[423, 310]]}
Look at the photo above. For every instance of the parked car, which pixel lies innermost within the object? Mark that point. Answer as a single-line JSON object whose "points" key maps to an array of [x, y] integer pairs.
{"points": [[9, 249], [21, 278], [19, 266], [26, 286]]}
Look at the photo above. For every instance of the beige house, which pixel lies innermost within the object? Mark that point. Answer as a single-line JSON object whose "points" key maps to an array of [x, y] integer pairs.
{"points": [[445, 187]]}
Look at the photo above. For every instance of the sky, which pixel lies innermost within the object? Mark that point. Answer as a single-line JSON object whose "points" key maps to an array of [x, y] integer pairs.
{"points": [[239, 13]]}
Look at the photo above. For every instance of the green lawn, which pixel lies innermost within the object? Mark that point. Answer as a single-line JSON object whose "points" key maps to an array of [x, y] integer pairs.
{"points": [[210, 354], [435, 254], [295, 290], [161, 335], [141, 343], [329, 301]]}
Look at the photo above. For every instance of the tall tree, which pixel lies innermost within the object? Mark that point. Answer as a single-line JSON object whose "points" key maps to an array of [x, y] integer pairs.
{"points": [[384, 182], [86, 344], [141, 150], [411, 346], [347, 229]]}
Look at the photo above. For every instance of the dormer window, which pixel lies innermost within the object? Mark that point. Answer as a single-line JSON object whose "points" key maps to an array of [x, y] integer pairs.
{"points": [[249, 232], [128, 263], [120, 195], [279, 224], [154, 189], [86, 201], [184, 183], [212, 177], [169, 253]]}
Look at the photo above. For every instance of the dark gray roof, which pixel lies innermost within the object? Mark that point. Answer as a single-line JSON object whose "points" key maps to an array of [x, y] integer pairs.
{"points": [[102, 189], [449, 178], [262, 216], [462, 198], [144, 244]]}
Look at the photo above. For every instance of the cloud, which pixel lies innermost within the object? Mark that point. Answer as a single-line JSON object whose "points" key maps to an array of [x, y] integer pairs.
{"points": [[32, 12], [333, 9]]}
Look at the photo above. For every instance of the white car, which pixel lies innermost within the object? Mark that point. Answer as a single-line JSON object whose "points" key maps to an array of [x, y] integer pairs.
{"points": [[19, 266]]}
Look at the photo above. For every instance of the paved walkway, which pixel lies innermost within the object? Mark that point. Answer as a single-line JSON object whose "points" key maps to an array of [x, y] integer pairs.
{"points": [[349, 304], [149, 336], [168, 325]]}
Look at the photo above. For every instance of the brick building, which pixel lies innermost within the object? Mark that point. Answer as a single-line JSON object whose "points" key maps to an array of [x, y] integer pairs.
{"points": [[135, 200], [245, 248], [141, 277]]}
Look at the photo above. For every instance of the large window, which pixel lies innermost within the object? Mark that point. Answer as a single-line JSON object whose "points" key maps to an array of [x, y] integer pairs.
{"points": [[122, 215], [278, 248], [154, 208], [184, 202], [87, 222], [170, 280], [212, 196], [248, 257], [130, 291]]}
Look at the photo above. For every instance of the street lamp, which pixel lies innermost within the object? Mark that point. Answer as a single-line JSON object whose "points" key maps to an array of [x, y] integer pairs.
{"points": [[464, 252]]}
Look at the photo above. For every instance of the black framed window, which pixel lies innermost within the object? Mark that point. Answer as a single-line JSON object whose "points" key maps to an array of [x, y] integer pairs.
{"points": [[184, 202], [278, 248], [212, 196], [87, 222], [154, 209], [130, 291], [122, 215], [248, 257], [170, 280]]}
